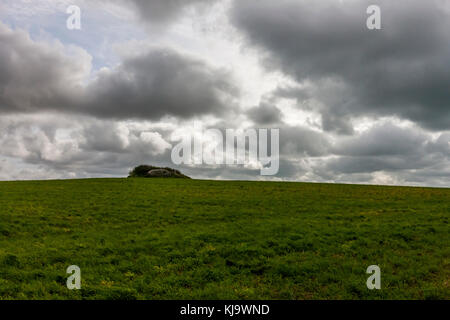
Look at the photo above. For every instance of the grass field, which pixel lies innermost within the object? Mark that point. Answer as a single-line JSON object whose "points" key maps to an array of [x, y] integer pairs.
{"points": [[192, 239]]}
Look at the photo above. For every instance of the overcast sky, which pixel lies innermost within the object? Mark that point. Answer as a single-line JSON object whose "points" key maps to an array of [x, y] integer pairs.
{"points": [[353, 105]]}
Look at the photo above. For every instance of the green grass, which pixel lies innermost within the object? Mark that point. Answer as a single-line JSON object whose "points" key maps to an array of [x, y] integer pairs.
{"points": [[191, 239]]}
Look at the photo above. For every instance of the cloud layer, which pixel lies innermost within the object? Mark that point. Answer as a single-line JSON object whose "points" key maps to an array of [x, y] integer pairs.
{"points": [[164, 11], [346, 70], [38, 77], [353, 105]]}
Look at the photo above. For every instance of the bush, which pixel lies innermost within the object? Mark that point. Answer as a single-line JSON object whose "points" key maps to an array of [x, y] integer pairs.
{"points": [[142, 172]]}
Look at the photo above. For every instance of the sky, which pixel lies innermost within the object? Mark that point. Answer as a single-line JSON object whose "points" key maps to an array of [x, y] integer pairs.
{"points": [[353, 104]]}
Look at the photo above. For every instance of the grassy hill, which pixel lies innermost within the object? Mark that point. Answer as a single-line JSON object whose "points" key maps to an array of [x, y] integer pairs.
{"points": [[189, 239]]}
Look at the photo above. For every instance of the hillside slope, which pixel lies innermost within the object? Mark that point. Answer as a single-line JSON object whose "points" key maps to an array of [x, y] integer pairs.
{"points": [[188, 239]]}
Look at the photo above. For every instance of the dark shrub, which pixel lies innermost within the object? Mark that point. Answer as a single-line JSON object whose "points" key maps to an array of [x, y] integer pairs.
{"points": [[142, 171]]}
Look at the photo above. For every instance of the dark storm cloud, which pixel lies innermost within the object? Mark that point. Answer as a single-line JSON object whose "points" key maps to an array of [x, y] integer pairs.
{"points": [[389, 148], [163, 11], [303, 142], [349, 70], [37, 77], [384, 140], [162, 82], [264, 114]]}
